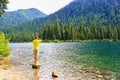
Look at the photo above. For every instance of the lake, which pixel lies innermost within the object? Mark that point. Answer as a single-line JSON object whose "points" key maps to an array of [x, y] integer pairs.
{"points": [[74, 61]]}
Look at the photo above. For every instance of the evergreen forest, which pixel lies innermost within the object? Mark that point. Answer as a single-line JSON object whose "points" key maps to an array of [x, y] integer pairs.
{"points": [[65, 31]]}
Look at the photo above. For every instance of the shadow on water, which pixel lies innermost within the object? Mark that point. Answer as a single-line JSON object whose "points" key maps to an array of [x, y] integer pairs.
{"points": [[54, 78]]}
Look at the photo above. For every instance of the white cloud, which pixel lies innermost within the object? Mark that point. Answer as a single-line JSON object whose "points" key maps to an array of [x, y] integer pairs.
{"points": [[46, 6]]}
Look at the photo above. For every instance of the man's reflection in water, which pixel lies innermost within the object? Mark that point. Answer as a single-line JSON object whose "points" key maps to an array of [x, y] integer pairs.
{"points": [[54, 78], [36, 76]]}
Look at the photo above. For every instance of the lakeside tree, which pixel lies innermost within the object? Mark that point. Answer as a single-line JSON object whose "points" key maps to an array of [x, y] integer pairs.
{"points": [[3, 6], [4, 46], [80, 32]]}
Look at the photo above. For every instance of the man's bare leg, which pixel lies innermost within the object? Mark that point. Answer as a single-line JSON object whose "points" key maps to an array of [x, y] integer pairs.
{"points": [[35, 56]]}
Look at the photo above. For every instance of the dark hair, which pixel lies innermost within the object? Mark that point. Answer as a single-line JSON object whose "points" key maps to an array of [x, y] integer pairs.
{"points": [[36, 37]]}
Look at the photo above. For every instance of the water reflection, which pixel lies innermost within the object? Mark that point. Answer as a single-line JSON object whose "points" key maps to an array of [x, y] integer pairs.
{"points": [[36, 75], [54, 78]]}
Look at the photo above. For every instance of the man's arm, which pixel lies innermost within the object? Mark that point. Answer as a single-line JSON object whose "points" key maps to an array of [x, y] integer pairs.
{"points": [[39, 39]]}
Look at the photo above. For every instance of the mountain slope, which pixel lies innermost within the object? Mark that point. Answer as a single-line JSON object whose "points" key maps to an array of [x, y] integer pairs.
{"points": [[83, 19], [89, 12], [99, 12], [20, 16]]}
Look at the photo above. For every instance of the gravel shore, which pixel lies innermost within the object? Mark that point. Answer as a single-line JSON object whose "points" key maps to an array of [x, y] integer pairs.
{"points": [[7, 72]]}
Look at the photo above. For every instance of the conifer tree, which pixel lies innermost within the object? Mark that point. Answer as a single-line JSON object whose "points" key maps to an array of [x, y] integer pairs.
{"points": [[3, 6]]}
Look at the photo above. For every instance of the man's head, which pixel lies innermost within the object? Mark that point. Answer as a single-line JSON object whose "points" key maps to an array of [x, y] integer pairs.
{"points": [[36, 37]]}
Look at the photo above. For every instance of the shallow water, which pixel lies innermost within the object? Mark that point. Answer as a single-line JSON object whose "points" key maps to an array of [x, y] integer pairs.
{"points": [[67, 58]]}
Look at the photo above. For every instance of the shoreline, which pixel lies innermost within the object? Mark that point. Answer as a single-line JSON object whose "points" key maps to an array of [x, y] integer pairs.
{"points": [[7, 72], [94, 40], [14, 73], [57, 41]]}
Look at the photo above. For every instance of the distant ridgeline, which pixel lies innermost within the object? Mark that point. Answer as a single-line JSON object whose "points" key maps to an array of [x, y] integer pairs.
{"points": [[80, 20], [4, 46], [11, 18]]}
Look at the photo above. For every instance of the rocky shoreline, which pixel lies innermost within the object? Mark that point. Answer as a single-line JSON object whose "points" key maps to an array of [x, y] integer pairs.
{"points": [[7, 72], [97, 75], [10, 72]]}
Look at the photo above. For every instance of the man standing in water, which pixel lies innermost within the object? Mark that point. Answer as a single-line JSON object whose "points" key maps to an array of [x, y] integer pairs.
{"points": [[36, 42]]}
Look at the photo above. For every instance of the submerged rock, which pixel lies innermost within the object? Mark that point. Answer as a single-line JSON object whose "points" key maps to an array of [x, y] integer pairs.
{"points": [[90, 71], [107, 79], [99, 76]]}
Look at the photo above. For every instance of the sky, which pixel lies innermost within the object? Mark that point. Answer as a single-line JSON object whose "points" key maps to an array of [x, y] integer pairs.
{"points": [[46, 6]]}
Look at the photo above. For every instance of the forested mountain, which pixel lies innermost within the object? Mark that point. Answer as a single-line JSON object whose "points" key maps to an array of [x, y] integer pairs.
{"points": [[80, 20], [20, 16], [91, 12], [98, 12]]}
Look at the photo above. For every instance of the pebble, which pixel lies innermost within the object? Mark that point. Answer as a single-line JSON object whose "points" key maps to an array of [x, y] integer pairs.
{"points": [[99, 76], [107, 79], [5, 68], [98, 72], [5, 79], [90, 71], [1, 59], [113, 79]]}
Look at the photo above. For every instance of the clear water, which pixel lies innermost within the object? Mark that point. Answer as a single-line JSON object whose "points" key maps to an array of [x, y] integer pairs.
{"points": [[68, 58]]}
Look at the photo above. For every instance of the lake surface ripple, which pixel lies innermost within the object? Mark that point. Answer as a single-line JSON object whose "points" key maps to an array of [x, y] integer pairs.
{"points": [[73, 60]]}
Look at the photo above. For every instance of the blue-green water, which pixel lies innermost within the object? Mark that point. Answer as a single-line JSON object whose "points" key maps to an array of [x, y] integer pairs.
{"points": [[68, 58], [104, 56]]}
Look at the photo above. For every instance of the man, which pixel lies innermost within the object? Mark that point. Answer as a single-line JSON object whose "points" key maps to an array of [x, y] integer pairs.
{"points": [[36, 42]]}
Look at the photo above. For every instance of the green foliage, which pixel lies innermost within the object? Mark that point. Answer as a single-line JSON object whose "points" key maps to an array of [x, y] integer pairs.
{"points": [[64, 31], [3, 6], [80, 32], [4, 46]]}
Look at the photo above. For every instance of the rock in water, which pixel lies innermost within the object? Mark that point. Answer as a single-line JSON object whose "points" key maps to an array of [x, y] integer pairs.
{"points": [[35, 66], [55, 73]]}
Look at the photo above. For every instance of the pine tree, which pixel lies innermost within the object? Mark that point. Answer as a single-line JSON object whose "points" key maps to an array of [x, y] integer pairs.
{"points": [[3, 6], [57, 29], [115, 34]]}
